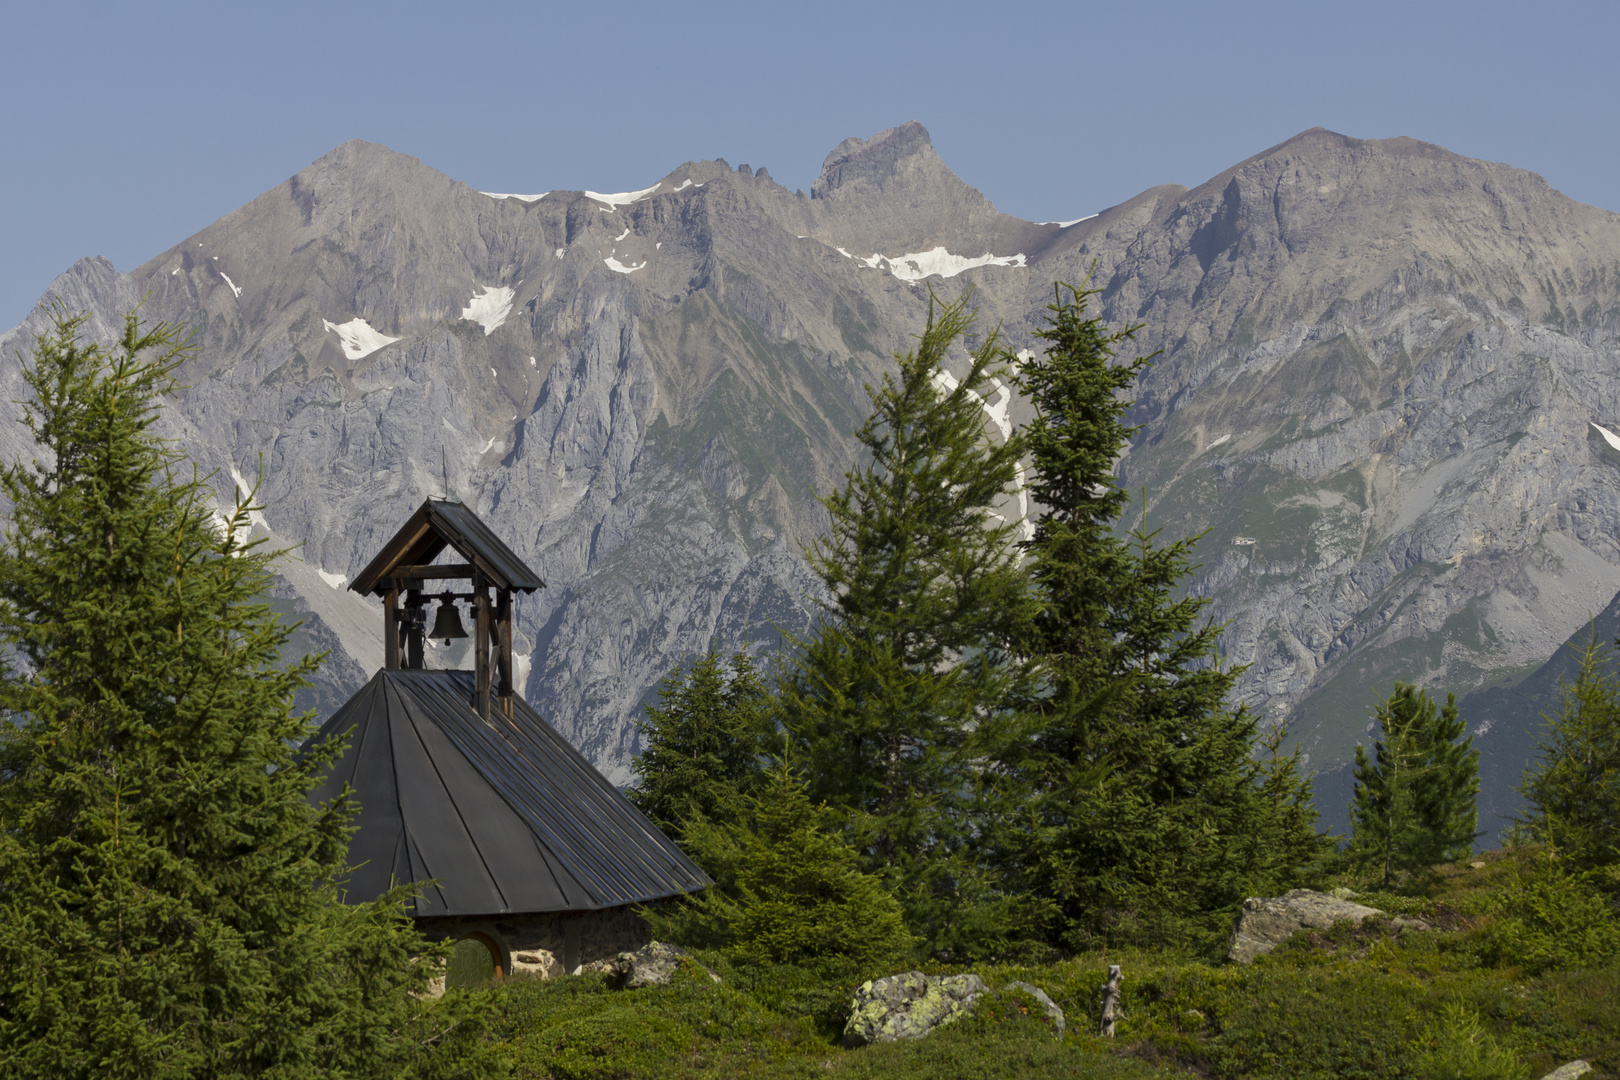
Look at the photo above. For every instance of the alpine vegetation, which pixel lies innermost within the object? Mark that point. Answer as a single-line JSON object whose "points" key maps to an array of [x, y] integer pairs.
{"points": [[170, 904]]}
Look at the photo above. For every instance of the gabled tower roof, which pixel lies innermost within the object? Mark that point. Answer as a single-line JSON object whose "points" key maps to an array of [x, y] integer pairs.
{"points": [[504, 813], [440, 523]]}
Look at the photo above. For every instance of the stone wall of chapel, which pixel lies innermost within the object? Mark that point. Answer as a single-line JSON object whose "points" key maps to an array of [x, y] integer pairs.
{"points": [[548, 944]]}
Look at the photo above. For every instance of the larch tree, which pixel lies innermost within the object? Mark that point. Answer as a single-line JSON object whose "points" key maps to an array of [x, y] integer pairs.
{"points": [[170, 904], [896, 698]]}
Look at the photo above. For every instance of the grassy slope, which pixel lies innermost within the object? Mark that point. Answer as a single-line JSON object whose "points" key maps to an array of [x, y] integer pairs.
{"points": [[1343, 1004]]}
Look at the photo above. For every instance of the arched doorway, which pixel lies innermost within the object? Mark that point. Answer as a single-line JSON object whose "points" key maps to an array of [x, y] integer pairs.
{"points": [[475, 962]]}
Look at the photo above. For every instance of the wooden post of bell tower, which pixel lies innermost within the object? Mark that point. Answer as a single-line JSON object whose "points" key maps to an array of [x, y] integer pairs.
{"points": [[494, 572]]}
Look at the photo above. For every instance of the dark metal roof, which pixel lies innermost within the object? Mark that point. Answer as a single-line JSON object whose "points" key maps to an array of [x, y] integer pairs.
{"points": [[437, 524], [506, 814]]}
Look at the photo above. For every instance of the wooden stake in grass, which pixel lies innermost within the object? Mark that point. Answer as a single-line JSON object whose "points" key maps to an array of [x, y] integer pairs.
{"points": [[1110, 1001]]}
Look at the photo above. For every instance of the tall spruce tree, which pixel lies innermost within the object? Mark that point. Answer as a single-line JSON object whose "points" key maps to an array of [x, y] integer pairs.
{"points": [[1150, 815], [169, 902], [1574, 789], [894, 699], [704, 744], [1414, 801]]}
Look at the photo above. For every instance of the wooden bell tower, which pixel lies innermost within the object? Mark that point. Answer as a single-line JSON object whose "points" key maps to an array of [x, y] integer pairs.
{"points": [[493, 573]]}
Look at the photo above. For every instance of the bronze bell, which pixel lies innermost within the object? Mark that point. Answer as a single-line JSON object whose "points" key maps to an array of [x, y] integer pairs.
{"points": [[447, 623]]}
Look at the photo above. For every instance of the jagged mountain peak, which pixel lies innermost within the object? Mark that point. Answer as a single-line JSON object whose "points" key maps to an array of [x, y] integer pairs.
{"points": [[893, 194], [888, 153]]}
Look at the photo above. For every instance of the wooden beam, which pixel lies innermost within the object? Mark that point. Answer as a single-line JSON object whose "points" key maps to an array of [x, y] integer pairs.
{"points": [[391, 630], [414, 629], [481, 648], [428, 573], [503, 627]]}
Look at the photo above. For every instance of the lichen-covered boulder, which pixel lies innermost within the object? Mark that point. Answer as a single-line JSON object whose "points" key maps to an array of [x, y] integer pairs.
{"points": [[653, 964], [909, 1006], [1054, 1014], [1267, 921], [1571, 1071]]}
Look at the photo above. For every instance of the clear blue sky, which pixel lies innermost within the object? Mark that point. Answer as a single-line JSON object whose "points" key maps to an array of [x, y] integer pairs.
{"points": [[128, 126]]}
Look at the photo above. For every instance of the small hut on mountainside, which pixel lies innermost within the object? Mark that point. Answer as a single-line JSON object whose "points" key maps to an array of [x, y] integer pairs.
{"points": [[535, 855]]}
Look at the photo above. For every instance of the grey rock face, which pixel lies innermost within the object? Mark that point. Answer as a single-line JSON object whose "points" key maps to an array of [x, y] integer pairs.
{"points": [[1569, 1071], [1267, 921], [1382, 366], [909, 1006], [654, 964], [1382, 369]]}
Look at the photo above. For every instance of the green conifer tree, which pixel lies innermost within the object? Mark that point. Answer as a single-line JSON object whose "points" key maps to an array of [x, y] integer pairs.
{"points": [[704, 744], [1574, 790], [1414, 802], [896, 696], [1149, 815], [169, 902], [791, 890]]}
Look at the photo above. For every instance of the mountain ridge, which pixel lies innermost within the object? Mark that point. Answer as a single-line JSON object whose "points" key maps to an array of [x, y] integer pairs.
{"points": [[646, 390]]}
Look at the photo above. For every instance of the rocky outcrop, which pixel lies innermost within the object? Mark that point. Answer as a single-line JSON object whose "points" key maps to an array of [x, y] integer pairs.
{"points": [[1573, 1070], [1267, 921], [654, 964], [909, 1006]]}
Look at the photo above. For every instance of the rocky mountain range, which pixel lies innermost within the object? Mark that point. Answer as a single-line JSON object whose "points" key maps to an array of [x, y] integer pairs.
{"points": [[1388, 394]]}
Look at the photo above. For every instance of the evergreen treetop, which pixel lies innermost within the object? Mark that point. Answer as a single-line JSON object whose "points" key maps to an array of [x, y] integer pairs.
{"points": [[791, 890], [1574, 790], [704, 744], [169, 902], [1414, 803], [1148, 815]]}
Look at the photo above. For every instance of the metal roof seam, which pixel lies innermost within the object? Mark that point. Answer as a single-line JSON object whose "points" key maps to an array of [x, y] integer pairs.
{"points": [[616, 826], [494, 880]]}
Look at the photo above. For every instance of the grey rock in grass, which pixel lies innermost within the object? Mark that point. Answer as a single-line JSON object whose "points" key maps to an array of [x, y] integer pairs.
{"points": [[1569, 1071], [1267, 921], [1053, 1013], [654, 964], [909, 1006]]}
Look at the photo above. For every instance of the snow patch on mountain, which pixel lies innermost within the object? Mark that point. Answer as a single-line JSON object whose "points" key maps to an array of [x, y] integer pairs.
{"points": [[334, 580], [619, 268], [623, 198], [687, 183], [622, 235], [520, 198], [489, 307], [921, 264], [234, 289], [1066, 224], [1608, 436], [358, 338]]}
